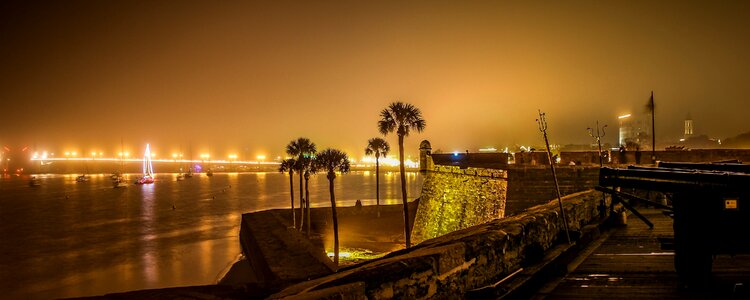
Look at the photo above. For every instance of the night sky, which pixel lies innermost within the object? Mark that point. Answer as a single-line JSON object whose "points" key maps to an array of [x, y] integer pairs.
{"points": [[249, 77]]}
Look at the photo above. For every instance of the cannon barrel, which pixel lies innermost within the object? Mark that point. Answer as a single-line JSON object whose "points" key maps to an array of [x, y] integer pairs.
{"points": [[676, 180]]}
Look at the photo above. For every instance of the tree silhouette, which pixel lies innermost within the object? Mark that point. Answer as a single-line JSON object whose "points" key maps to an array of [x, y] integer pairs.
{"points": [[288, 165], [402, 118], [301, 148], [378, 147], [310, 168], [332, 160]]}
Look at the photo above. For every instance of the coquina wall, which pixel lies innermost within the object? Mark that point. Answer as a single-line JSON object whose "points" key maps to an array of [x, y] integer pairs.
{"points": [[533, 185], [455, 198], [451, 265]]}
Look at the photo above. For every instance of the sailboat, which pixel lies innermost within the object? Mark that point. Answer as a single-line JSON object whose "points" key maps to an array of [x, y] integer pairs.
{"points": [[189, 173], [117, 180], [34, 181], [181, 176], [209, 172], [84, 177], [148, 168]]}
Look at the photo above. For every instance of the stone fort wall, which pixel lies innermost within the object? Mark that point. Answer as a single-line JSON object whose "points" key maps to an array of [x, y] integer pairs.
{"points": [[454, 198], [451, 265]]}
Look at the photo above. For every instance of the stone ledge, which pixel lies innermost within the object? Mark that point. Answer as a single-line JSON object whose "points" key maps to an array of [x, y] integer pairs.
{"points": [[451, 265]]}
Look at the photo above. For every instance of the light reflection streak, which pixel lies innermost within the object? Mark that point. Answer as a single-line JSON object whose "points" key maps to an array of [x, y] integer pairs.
{"points": [[218, 161]]}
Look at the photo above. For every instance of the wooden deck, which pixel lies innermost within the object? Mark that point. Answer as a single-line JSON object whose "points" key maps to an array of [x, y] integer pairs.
{"points": [[629, 263]]}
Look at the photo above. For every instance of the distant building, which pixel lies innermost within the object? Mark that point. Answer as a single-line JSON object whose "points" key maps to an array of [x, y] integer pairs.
{"points": [[688, 127], [633, 133], [626, 129]]}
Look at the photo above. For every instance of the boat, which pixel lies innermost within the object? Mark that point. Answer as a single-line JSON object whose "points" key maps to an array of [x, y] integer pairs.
{"points": [[117, 180], [146, 179], [84, 177], [180, 177], [34, 181], [209, 171], [189, 173], [148, 168]]}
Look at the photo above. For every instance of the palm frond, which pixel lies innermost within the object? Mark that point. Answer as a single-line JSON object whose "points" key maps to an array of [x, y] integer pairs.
{"points": [[377, 147]]}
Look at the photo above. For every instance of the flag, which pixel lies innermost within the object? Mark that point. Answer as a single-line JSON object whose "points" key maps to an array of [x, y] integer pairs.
{"points": [[650, 107], [650, 104]]}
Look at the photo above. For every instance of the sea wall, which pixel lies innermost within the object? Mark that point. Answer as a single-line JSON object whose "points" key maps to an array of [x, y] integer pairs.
{"points": [[591, 158], [451, 265], [455, 198], [533, 185]]}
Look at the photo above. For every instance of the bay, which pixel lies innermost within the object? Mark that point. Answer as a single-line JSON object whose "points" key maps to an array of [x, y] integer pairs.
{"points": [[70, 239]]}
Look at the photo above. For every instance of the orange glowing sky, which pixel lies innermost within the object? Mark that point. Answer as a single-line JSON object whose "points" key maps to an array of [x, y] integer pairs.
{"points": [[249, 77]]}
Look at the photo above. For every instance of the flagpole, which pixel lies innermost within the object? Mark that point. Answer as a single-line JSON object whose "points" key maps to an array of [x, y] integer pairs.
{"points": [[653, 129]]}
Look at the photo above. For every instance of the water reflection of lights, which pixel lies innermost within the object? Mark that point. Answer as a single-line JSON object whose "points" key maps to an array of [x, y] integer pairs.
{"points": [[150, 270], [341, 254], [171, 160], [354, 254]]}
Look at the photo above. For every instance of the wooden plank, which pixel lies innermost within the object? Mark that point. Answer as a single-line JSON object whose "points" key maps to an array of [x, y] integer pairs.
{"points": [[630, 264]]}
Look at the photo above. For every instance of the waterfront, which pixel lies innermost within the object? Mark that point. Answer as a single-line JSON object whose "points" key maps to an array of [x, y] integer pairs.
{"points": [[67, 239]]}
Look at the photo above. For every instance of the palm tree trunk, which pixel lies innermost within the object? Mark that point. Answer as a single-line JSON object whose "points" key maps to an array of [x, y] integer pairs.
{"points": [[407, 232], [301, 202], [377, 183], [335, 220], [307, 205], [291, 193]]}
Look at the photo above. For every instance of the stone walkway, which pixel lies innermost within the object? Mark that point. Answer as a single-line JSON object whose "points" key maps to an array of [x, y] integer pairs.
{"points": [[629, 263]]}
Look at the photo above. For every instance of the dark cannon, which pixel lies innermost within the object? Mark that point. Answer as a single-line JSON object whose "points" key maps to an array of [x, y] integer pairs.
{"points": [[709, 207]]}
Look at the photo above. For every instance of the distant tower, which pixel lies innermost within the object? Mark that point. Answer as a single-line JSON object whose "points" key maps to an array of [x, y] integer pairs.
{"points": [[425, 157], [688, 126]]}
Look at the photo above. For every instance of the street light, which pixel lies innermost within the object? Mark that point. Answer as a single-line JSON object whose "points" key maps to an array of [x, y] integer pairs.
{"points": [[599, 135], [232, 158]]}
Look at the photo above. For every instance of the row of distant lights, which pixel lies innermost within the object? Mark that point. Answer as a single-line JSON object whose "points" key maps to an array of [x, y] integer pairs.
{"points": [[45, 154], [386, 161]]}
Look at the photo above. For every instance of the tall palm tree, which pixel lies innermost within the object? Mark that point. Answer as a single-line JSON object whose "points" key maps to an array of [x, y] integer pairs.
{"points": [[309, 169], [301, 148], [332, 160], [402, 118], [287, 165], [378, 147]]}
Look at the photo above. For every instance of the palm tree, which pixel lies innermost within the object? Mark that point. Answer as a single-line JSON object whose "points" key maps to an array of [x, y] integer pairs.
{"points": [[332, 160], [378, 147], [301, 148], [309, 169], [287, 165], [402, 118]]}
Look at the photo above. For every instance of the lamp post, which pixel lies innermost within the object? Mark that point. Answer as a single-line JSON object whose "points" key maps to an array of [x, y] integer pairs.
{"points": [[599, 135]]}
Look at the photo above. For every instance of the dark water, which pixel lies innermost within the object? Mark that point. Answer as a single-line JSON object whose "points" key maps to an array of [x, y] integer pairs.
{"points": [[67, 239]]}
